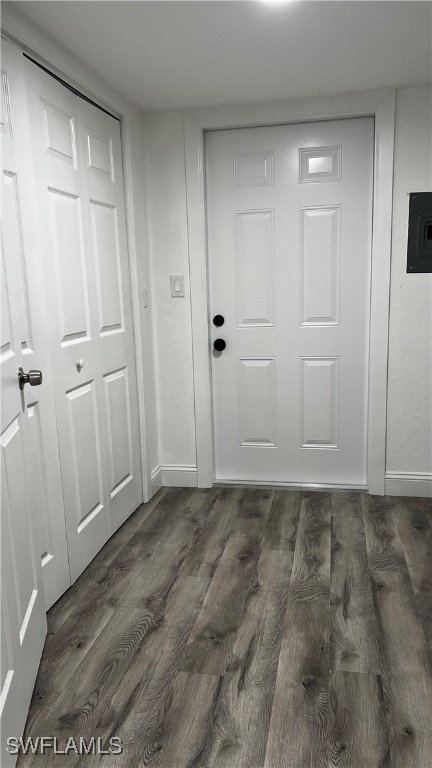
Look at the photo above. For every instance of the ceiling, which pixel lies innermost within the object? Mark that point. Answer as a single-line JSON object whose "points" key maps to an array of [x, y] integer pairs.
{"points": [[167, 55]]}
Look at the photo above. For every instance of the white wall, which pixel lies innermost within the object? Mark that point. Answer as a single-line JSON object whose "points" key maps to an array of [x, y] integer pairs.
{"points": [[168, 238], [409, 412], [409, 407], [137, 207]]}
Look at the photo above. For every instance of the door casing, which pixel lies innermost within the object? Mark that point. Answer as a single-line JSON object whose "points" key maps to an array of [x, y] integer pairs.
{"points": [[379, 104]]}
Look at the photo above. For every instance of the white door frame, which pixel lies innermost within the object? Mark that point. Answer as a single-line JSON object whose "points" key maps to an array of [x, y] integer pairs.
{"points": [[32, 41], [379, 104]]}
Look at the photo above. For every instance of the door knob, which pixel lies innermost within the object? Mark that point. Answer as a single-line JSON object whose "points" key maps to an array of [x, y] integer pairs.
{"points": [[219, 345], [34, 378], [218, 320]]}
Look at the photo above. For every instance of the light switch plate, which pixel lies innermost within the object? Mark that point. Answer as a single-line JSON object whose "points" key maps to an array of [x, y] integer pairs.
{"points": [[177, 286]]}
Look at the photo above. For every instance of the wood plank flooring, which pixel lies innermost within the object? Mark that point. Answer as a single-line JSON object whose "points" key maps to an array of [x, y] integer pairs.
{"points": [[247, 627]]}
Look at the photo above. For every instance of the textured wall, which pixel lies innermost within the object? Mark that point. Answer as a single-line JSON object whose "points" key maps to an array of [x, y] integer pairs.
{"points": [[410, 403], [168, 241], [409, 414]]}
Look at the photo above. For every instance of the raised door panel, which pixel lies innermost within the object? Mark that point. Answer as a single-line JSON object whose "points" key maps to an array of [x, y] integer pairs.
{"points": [[105, 242], [257, 402], [119, 429], [253, 169], [319, 402], [16, 503], [6, 672], [14, 249], [254, 257], [5, 116], [10, 708], [6, 343], [99, 154], [40, 494], [85, 454], [59, 136], [70, 267], [320, 265]]}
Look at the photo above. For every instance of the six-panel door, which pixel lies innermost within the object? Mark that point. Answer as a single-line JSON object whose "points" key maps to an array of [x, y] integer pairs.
{"points": [[289, 243], [78, 166]]}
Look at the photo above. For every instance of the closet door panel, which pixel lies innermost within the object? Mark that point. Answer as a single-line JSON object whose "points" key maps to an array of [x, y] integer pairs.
{"points": [[69, 276], [78, 157], [100, 148]]}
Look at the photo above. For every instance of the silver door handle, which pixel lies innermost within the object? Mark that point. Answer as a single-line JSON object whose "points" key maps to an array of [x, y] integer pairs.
{"points": [[34, 378]]}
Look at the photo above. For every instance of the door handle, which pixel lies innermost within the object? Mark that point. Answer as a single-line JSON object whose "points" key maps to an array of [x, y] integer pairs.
{"points": [[34, 378], [219, 345]]}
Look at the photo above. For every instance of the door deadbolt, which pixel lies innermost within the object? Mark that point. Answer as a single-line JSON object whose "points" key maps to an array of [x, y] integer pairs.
{"points": [[219, 345], [34, 378]]}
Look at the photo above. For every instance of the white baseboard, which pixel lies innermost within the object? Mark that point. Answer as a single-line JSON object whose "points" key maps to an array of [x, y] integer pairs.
{"points": [[293, 486], [186, 476], [408, 484], [176, 475]]}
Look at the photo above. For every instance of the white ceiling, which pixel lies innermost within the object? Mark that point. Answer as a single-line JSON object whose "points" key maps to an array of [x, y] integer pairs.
{"points": [[164, 55]]}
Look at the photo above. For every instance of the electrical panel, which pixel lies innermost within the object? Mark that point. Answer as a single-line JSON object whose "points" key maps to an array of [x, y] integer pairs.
{"points": [[420, 232]]}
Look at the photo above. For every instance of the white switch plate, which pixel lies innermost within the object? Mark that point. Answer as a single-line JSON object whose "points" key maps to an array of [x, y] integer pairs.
{"points": [[177, 286]]}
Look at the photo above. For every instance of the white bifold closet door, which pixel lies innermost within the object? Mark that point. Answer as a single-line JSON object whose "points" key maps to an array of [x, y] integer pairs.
{"points": [[289, 241], [78, 166]]}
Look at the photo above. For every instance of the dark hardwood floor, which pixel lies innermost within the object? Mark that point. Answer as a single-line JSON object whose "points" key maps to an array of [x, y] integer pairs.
{"points": [[233, 627]]}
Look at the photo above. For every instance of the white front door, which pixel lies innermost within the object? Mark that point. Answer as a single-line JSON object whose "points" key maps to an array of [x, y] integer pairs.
{"points": [[289, 248], [78, 164], [24, 537]]}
